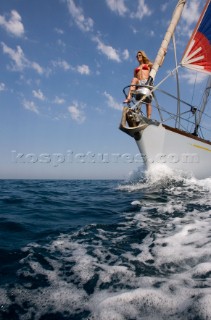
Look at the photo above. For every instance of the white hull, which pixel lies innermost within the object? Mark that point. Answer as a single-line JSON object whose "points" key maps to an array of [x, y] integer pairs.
{"points": [[176, 149], [160, 144]]}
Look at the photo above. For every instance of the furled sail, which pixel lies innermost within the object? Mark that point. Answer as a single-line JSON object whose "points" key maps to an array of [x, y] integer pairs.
{"points": [[197, 55], [162, 51]]}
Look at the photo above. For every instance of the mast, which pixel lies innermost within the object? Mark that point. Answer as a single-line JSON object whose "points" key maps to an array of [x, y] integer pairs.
{"points": [[164, 45]]}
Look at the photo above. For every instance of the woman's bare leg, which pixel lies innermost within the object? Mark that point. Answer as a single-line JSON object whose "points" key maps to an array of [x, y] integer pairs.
{"points": [[133, 84], [149, 110]]}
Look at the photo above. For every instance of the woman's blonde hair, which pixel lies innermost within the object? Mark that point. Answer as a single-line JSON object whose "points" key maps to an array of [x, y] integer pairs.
{"points": [[145, 58]]}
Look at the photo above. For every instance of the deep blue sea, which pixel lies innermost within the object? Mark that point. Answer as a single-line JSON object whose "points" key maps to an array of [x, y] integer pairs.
{"points": [[106, 250]]}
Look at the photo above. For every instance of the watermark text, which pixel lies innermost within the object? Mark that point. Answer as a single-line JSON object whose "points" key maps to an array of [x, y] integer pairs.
{"points": [[56, 159]]}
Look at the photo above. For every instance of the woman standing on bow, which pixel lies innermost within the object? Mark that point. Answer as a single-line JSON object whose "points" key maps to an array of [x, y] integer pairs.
{"points": [[141, 74]]}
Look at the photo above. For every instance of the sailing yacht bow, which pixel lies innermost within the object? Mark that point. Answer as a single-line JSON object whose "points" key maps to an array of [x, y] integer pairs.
{"points": [[162, 144]]}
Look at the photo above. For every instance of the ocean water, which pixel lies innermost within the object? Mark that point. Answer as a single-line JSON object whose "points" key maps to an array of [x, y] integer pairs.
{"points": [[106, 250]]}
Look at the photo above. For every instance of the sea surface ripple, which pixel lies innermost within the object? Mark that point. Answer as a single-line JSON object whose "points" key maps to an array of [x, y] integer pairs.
{"points": [[99, 250]]}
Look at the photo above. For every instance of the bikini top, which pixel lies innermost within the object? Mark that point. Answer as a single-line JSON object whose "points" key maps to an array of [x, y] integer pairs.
{"points": [[144, 67]]}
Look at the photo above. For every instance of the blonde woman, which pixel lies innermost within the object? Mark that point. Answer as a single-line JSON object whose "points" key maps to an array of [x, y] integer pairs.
{"points": [[141, 74]]}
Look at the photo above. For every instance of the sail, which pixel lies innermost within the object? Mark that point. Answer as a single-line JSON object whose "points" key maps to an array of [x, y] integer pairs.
{"points": [[197, 55]]}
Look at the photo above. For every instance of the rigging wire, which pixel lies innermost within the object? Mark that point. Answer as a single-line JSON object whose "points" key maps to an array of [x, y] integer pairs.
{"points": [[194, 86], [177, 122], [192, 112], [173, 116]]}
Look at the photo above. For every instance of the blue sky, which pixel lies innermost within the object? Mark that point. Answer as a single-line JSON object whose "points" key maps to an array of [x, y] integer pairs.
{"points": [[63, 66]]}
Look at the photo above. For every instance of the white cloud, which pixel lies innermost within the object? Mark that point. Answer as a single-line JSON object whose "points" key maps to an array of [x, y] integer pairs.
{"points": [[190, 76], [17, 56], [76, 113], [36, 67], [120, 8], [30, 105], [111, 102], [58, 100], [61, 43], [141, 11], [19, 59], [191, 12], [134, 30], [63, 64], [110, 52], [85, 24], [13, 25], [117, 6], [189, 18], [152, 33], [2, 86], [38, 94], [164, 7], [125, 54], [83, 69], [59, 31]]}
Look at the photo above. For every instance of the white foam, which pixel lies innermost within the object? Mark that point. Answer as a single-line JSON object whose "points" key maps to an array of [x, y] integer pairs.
{"points": [[131, 186], [118, 272], [202, 306], [171, 207], [166, 275], [202, 269], [147, 297], [202, 185], [136, 203], [137, 304], [4, 300], [159, 172]]}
